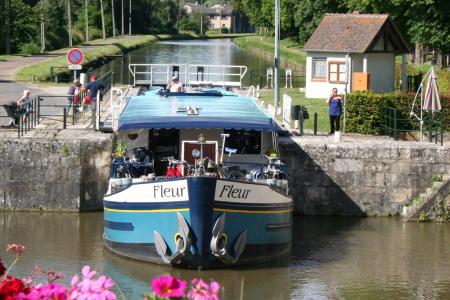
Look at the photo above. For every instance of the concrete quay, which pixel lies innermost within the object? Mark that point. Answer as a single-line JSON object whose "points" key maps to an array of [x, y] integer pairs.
{"points": [[360, 175]]}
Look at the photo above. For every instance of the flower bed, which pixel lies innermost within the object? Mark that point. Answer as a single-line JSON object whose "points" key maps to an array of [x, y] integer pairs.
{"points": [[90, 287]]}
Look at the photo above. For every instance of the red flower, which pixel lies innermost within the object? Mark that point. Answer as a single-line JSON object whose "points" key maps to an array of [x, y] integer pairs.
{"points": [[10, 287], [2, 268]]}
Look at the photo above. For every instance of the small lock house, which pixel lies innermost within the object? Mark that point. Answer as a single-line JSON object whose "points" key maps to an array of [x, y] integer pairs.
{"points": [[363, 44]]}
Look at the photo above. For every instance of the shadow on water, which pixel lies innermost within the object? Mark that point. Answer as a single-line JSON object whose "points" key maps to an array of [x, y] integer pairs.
{"points": [[319, 240]]}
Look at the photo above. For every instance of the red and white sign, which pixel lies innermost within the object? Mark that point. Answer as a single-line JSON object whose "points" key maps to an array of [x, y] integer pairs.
{"points": [[75, 56]]}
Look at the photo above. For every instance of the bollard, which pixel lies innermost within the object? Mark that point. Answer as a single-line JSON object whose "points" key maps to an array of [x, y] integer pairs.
{"points": [[35, 111], [65, 118], [300, 118], [18, 127], [38, 109], [315, 123]]}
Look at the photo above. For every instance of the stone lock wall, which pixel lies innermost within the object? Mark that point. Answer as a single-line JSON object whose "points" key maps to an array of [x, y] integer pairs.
{"points": [[360, 179], [54, 174]]}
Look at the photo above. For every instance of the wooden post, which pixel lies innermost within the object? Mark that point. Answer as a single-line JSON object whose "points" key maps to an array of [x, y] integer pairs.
{"points": [[404, 80]]}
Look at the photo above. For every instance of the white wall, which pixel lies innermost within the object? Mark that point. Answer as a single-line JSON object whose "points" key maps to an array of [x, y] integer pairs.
{"points": [[381, 67], [315, 89]]}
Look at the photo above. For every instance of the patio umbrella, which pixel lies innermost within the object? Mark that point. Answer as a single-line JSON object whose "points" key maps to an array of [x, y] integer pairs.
{"points": [[432, 100]]}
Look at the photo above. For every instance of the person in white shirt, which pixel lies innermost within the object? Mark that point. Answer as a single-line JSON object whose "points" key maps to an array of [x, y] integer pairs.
{"points": [[175, 86]]}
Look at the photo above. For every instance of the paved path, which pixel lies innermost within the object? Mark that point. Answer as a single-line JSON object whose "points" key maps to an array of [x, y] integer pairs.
{"points": [[11, 90]]}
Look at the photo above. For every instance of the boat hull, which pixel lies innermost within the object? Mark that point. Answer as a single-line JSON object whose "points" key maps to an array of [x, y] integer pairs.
{"points": [[250, 222]]}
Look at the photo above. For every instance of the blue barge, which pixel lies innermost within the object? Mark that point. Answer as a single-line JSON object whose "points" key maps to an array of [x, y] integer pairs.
{"points": [[200, 185]]}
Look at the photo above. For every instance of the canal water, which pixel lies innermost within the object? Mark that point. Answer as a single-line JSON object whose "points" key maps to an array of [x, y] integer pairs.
{"points": [[213, 52], [332, 258]]}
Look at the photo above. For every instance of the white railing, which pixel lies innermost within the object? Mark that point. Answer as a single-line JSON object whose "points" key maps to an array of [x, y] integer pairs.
{"points": [[116, 106], [190, 75], [251, 91]]}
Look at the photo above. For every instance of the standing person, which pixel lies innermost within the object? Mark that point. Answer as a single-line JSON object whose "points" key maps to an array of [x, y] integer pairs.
{"points": [[72, 94], [335, 110], [24, 104], [93, 87]]}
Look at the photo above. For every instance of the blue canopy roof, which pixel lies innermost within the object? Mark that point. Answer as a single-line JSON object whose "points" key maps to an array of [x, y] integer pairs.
{"points": [[229, 111]]}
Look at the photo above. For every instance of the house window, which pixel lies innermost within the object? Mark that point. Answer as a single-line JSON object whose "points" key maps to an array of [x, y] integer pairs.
{"points": [[319, 68], [337, 72]]}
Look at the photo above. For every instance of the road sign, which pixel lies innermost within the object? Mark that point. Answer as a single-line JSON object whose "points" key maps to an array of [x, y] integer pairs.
{"points": [[75, 67], [75, 56]]}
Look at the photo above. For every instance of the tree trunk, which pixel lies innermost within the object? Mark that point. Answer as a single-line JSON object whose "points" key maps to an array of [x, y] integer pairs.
{"points": [[103, 19], [7, 27], [440, 59], [123, 27], [113, 19], [180, 8], [129, 18], [86, 20], [42, 34], [418, 54], [69, 22]]}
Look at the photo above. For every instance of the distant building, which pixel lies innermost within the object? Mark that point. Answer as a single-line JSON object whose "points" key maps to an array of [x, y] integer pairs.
{"points": [[365, 44], [220, 16]]}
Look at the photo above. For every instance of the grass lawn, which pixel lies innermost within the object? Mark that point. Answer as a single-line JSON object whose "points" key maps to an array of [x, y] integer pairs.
{"points": [[288, 50], [312, 105]]}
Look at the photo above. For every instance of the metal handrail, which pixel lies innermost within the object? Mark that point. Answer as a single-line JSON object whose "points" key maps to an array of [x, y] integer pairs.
{"points": [[186, 72]]}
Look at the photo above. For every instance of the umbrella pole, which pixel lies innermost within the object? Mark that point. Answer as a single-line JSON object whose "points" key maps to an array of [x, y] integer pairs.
{"points": [[421, 115]]}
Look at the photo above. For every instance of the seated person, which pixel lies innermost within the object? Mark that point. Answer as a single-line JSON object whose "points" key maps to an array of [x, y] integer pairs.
{"points": [[175, 86]]}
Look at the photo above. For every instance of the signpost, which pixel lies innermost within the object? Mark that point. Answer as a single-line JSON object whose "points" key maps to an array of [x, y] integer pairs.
{"points": [[75, 59]]}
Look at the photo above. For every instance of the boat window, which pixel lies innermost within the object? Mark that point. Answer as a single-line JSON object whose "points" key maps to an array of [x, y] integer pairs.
{"points": [[246, 142], [163, 143]]}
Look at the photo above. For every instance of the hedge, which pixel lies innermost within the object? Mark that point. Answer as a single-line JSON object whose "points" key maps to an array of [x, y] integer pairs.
{"points": [[365, 111]]}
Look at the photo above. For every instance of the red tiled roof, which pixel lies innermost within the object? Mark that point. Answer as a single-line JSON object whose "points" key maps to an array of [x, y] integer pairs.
{"points": [[354, 33]]}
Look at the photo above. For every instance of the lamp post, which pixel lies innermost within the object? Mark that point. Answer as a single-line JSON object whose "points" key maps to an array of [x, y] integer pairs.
{"points": [[277, 57], [201, 141]]}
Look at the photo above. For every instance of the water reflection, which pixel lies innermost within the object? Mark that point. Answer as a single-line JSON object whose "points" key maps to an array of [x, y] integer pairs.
{"points": [[349, 258], [217, 52]]}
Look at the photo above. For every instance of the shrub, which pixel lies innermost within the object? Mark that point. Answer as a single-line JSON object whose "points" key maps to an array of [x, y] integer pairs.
{"points": [[30, 48], [224, 30], [365, 111]]}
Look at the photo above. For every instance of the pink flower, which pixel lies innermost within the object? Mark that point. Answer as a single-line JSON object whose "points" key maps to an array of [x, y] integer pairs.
{"points": [[17, 248], [51, 291], [203, 291], [90, 288], [168, 286]]}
